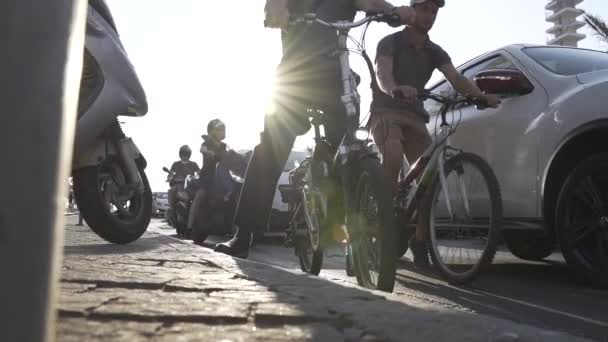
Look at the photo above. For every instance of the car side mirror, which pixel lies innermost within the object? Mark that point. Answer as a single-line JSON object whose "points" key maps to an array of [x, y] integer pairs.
{"points": [[166, 170], [503, 82]]}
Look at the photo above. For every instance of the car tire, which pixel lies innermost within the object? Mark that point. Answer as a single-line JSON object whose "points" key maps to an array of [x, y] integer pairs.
{"points": [[582, 219], [529, 245]]}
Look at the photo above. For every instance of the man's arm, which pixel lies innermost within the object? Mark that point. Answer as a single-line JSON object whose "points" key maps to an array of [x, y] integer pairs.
{"points": [[465, 86], [460, 83], [276, 13], [407, 14], [377, 6], [384, 72]]}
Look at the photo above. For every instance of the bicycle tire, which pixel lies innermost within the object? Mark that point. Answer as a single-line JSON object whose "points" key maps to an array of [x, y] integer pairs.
{"points": [[426, 211], [370, 177], [312, 263]]}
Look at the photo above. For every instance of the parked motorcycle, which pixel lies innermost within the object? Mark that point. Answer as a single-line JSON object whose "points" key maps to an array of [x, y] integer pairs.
{"points": [[110, 184]]}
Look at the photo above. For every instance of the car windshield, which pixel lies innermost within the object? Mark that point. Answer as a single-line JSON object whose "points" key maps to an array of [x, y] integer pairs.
{"points": [[294, 156], [161, 195], [568, 61]]}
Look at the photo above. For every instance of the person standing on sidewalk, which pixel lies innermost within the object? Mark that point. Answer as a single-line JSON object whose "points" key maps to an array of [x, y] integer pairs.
{"points": [[308, 76], [405, 61]]}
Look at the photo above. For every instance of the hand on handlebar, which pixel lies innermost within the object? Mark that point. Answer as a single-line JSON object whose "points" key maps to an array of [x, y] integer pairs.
{"points": [[492, 100], [406, 93], [406, 14]]}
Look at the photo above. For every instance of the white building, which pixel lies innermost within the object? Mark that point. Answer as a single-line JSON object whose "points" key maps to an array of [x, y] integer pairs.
{"points": [[563, 15]]}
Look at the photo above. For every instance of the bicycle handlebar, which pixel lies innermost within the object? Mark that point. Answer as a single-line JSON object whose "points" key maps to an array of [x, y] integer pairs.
{"points": [[449, 101], [311, 18], [454, 101]]}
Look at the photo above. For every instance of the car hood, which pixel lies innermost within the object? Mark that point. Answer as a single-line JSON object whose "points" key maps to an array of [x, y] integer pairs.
{"points": [[592, 77]]}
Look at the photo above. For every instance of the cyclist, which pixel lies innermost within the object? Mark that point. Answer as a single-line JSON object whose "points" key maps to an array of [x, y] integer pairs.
{"points": [[405, 61], [307, 77]]}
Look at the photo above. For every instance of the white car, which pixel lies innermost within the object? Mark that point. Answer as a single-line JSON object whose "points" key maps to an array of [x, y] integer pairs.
{"points": [[279, 216], [548, 145]]}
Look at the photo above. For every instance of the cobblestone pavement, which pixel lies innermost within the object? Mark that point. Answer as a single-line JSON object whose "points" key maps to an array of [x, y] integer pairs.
{"points": [[160, 289]]}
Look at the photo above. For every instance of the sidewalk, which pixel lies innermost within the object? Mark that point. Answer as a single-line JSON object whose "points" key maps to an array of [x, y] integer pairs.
{"points": [[160, 289]]}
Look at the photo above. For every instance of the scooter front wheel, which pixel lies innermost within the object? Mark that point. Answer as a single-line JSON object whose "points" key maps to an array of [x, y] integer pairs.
{"points": [[113, 209]]}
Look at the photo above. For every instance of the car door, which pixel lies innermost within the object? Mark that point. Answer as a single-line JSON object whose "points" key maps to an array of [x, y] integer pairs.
{"points": [[502, 137]]}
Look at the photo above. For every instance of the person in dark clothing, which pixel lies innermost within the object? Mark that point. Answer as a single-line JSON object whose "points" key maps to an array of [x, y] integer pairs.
{"points": [[308, 77], [213, 185], [405, 61], [181, 169], [213, 149]]}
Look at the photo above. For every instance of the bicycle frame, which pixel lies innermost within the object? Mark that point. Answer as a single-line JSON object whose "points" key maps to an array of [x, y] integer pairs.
{"points": [[350, 96], [430, 164]]}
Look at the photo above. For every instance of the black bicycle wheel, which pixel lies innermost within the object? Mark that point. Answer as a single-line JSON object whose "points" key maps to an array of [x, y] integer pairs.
{"points": [[308, 245], [463, 236], [371, 228], [313, 213]]}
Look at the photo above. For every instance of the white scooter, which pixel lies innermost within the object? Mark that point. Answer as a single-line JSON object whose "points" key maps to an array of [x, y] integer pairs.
{"points": [[110, 185]]}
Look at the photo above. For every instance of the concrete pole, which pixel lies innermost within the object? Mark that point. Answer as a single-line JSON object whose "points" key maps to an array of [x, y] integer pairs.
{"points": [[42, 48]]}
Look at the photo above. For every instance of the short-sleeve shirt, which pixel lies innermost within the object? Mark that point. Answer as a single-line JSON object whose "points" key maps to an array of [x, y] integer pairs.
{"points": [[182, 169], [414, 67]]}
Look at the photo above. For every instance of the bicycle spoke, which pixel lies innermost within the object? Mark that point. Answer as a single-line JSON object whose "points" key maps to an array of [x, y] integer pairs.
{"points": [[460, 240]]}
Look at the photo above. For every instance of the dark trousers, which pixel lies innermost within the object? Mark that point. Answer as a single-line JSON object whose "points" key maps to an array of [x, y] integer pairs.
{"points": [[276, 141]]}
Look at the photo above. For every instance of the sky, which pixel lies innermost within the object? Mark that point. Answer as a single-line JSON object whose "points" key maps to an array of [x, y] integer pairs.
{"points": [[203, 59]]}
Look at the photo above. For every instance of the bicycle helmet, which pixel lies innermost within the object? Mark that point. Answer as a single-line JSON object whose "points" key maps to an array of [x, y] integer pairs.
{"points": [[439, 3], [215, 124], [185, 151]]}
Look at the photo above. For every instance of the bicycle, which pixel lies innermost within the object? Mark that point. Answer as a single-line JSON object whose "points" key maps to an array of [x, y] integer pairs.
{"points": [[343, 189], [442, 170]]}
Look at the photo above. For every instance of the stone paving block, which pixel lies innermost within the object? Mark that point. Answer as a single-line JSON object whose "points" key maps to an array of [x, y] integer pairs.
{"points": [[168, 306], [281, 311], [201, 282], [134, 275], [241, 333], [83, 330], [247, 296]]}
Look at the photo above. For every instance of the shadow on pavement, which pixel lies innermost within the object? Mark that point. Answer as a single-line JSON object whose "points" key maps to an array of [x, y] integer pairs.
{"points": [[362, 315], [542, 294]]}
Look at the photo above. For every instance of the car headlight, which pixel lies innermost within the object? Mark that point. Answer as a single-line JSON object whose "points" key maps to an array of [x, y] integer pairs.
{"points": [[362, 134]]}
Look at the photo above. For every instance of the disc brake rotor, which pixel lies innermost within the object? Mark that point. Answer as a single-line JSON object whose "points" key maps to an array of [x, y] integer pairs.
{"points": [[116, 192]]}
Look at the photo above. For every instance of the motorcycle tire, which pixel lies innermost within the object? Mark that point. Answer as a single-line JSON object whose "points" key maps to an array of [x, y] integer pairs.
{"points": [[112, 227]]}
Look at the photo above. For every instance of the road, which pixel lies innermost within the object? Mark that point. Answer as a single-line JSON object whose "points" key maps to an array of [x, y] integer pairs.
{"points": [[541, 294]]}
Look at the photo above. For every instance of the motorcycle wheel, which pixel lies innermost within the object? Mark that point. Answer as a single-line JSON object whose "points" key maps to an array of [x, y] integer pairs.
{"points": [[115, 212]]}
